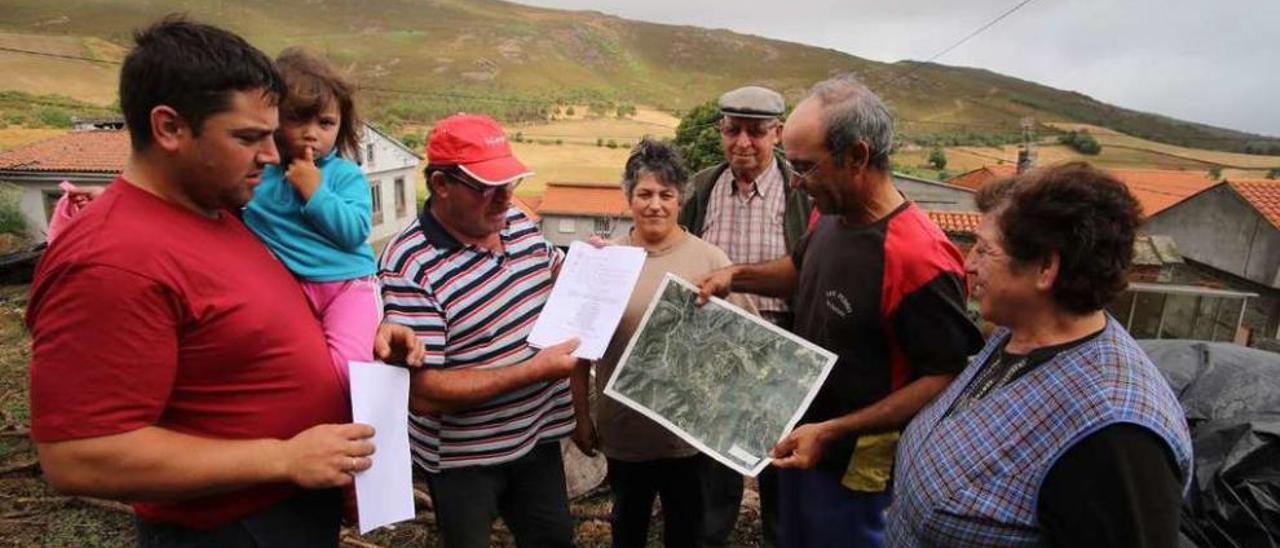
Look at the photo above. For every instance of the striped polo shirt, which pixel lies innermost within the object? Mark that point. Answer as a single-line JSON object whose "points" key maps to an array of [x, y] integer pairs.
{"points": [[473, 309]]}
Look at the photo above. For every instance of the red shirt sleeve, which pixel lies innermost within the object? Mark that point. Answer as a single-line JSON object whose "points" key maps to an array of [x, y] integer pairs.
{"points": [[104, 352]]}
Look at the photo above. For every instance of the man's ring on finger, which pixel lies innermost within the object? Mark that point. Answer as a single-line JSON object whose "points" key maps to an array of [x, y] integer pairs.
{"points": [[352, 469]]}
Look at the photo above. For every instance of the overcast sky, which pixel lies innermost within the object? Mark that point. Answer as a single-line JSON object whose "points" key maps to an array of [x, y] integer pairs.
{"points": [[1212, 62]]}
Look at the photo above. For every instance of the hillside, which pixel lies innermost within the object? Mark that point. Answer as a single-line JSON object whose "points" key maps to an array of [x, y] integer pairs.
{"points": [[419, 59]]}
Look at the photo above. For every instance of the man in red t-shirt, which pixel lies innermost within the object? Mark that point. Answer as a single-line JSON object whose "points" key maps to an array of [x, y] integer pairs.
{"points": [[176, 364]]}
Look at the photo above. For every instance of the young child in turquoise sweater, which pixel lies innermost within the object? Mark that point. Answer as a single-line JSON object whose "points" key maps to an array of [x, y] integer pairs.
{"points": [[314, 210]]}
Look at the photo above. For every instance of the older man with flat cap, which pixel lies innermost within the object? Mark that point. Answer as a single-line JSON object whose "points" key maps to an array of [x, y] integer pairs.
{"points": [[470, 277], [745, 205]]}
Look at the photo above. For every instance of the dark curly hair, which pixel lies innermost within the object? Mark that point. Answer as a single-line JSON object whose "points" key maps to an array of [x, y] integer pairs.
{"points": [[661, 160], [1086, 216]]}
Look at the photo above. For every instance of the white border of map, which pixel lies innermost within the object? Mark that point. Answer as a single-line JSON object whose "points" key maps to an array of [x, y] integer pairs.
{"points": [[686, 436]]}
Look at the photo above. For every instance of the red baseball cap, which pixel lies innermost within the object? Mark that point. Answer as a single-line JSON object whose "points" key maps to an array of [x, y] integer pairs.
{"points": [[477, 145]]}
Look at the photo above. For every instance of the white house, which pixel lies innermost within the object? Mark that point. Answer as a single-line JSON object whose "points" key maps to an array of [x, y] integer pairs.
{"points": [[94, 157], [576, 211], [390, 167]]}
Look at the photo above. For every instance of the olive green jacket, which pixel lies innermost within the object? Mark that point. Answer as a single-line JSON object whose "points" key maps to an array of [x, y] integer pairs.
{"points": [[795, 217]]}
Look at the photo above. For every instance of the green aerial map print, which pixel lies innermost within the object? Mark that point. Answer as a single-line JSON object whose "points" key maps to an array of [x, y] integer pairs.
{"points": [[729, 383]]}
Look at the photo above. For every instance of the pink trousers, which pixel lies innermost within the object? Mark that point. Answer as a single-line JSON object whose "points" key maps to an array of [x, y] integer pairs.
{"points": [[350, 311]]}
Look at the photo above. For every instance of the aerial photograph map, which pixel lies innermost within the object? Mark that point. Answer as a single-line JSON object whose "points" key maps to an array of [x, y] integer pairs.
{"points": [[724, 380]]}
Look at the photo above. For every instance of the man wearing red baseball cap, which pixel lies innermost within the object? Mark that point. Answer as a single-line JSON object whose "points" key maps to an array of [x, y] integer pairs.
{"points": [[488, 411]]}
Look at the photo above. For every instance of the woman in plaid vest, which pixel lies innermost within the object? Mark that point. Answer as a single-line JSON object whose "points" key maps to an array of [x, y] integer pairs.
{"points": [[1061, 431]]}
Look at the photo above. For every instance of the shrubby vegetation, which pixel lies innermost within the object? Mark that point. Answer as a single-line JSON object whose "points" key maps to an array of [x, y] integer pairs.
{"points": [[1081, 141], [962, 138], [698, 136], [12, 221], [938, 158], [49, 111]]}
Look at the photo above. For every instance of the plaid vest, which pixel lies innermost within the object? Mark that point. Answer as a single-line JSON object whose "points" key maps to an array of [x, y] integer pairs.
{"points": [[972, 479]]}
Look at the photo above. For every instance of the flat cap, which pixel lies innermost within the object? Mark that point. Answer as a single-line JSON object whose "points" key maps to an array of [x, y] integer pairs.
{"points": [[752, 102]]}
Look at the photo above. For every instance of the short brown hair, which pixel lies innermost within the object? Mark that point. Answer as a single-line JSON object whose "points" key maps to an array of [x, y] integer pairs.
{"points": [[992, 194], [1085, 215], [193, 68], [312, 83]]}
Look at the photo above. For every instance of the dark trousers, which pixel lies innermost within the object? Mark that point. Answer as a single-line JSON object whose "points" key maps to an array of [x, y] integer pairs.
{"points": [[676, 482], [310, 518], [722, 492], [529, 494], [817, 511], [767, 483]]}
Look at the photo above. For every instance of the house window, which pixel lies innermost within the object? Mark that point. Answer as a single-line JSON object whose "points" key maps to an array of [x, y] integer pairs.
{"points": [[567, 225], [603, 226], [50, 203], [368, 154], [375, 191], [402, 199]]}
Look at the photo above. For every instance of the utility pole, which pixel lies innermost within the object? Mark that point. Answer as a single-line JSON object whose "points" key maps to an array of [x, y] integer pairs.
{"points": [[1027, 152]]}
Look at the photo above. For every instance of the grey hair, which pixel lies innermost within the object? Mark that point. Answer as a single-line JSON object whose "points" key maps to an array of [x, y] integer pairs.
{"points": [[853, 113], [661, 160]]}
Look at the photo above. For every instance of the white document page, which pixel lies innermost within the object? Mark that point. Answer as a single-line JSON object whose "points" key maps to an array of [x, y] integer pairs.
{"points": [[589, 297], [380, 398]]}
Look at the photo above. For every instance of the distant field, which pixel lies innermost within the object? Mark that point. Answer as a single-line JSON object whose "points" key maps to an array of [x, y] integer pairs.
{"points": [[960, 159], [569, 163], [39, 75], [13, 137], [578, 159], [1106, 136], [585, 130]]}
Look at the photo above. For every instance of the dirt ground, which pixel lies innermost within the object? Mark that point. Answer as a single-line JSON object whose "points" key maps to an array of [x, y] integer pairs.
{"points": [[31, 514]]}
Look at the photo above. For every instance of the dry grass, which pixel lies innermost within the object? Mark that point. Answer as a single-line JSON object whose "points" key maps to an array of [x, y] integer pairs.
{"points": [[38, 75], [1110, 137], [569, 163], [961, 159], [13, 136], [577, 159]]}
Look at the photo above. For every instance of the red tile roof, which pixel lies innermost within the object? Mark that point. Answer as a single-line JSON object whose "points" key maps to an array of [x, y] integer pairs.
{"points": [[588, 199], [76, 152], [956, 222], [1160, 189], [1156, 189], [1262, 194], [528, 205], [533, 201], [976, 178]]}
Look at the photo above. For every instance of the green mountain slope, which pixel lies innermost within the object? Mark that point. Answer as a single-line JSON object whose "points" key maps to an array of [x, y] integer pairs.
{"points": [[419, 59]]}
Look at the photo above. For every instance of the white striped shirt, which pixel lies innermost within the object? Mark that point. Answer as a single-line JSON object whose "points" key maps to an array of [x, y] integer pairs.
{"points": [[749, 226], [473, 309]]}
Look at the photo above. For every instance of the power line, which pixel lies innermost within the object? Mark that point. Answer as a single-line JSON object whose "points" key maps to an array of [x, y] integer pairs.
{"points": [[60, 56], [967, 37]]}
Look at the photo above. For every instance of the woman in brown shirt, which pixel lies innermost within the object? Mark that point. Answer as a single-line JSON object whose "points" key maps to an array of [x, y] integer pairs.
{"points": [[645, 459]]}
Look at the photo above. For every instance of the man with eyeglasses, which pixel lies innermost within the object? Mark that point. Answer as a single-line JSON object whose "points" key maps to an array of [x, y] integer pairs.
{"points": [[878, 284], [470, 276], [745, 206]]}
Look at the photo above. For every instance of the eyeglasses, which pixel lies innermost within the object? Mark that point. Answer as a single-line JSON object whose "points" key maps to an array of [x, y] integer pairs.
{"points": [[799, 169], [484, 190], [754, 130]]}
